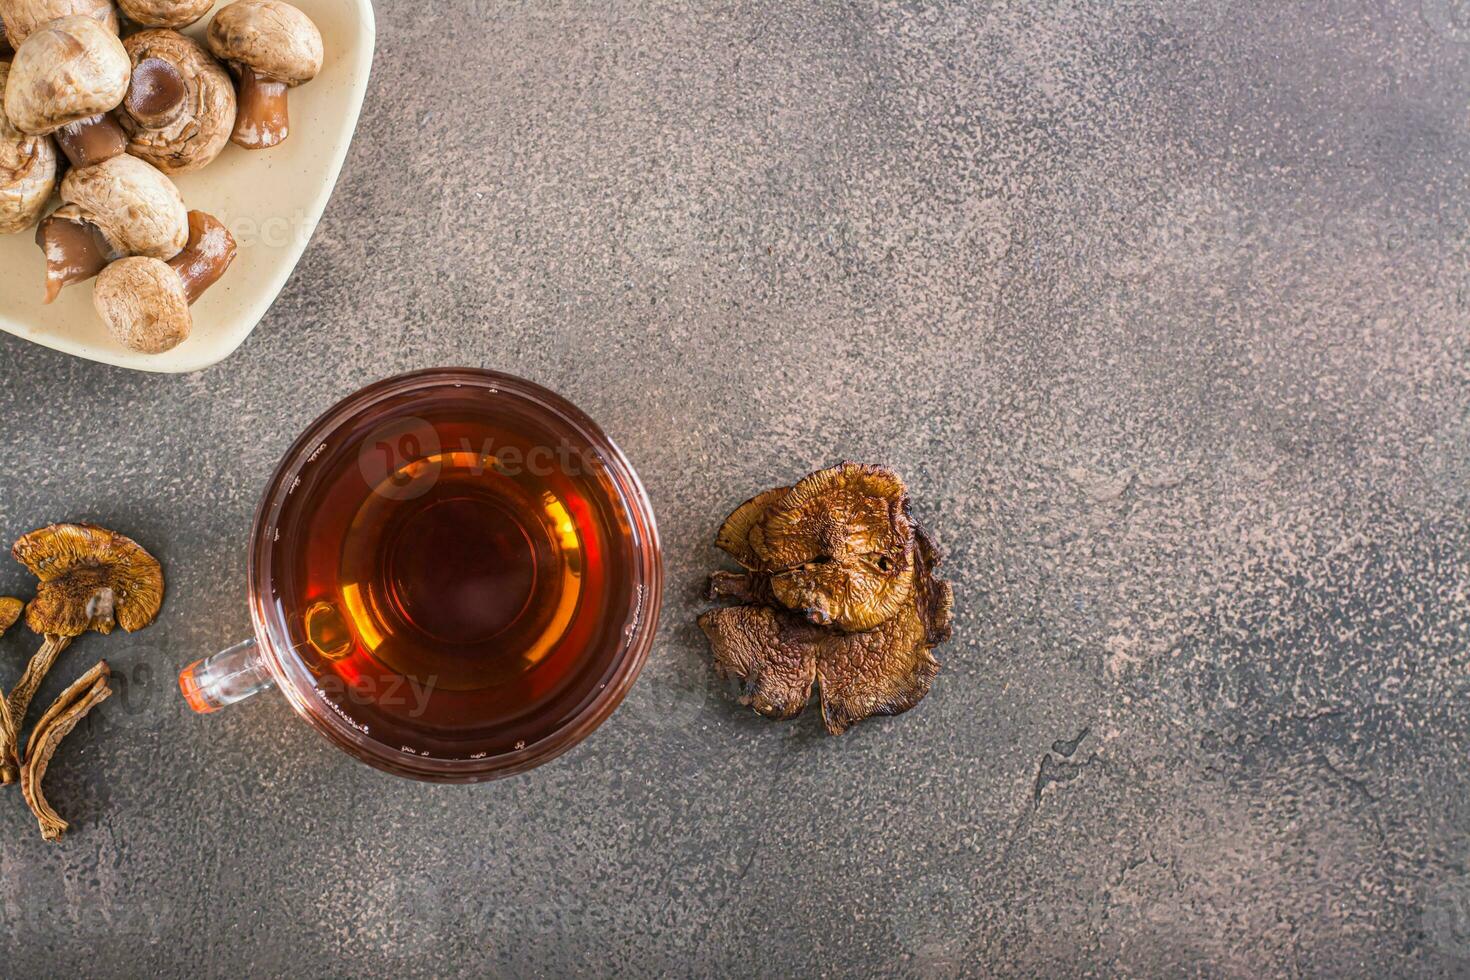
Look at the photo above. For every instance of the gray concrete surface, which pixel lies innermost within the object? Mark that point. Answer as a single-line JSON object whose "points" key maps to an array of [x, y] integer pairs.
{"points": [[1161, 307]]}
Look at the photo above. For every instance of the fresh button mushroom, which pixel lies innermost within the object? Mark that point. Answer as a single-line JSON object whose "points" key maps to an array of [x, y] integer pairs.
{"points": [[165, 13], [65, 78], [180, 105], [271, 47], [120, 207], [145, 302], [21, 18], [27, 172]]}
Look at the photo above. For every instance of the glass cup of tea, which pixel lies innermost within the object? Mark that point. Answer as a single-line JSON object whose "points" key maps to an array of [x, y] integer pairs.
{"points": [[454, 575]]}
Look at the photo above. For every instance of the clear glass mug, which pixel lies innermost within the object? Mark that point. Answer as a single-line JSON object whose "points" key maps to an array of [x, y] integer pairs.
{"points": [[454, 575]]}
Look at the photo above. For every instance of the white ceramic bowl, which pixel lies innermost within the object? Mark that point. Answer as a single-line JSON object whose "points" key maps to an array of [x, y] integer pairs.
{"points": [[271, 200]]}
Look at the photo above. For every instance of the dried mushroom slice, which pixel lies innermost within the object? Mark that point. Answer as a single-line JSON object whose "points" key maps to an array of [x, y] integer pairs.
{"points": [[90, 579], [886, 670], [841, 594], [734, 535], [838, 546], [87, 692], [778, 657], [10, 610], [772, 652]]}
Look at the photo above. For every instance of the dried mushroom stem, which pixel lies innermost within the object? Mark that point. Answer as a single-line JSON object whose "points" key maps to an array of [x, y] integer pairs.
{"points": [[262, 119], [75, 249], [91, 141], [87, 692], [157, 94], [10, 611], [737, 586], [19, 700]]}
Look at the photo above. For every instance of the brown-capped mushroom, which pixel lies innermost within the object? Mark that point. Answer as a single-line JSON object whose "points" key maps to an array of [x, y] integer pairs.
{"points": [[180, 106], [10, 610], [145, 302], [122, 206], [20, 18], [27, 171], [165, 13], [90, 579], [65, 79], [271, 47]]}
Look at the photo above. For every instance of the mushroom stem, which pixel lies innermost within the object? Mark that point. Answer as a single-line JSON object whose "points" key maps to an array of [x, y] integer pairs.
{"points": [[739, 586], [209, 252], [156, 95], [19, 700], [92, 140], [9, 738], [75, 249], [262, 120]]}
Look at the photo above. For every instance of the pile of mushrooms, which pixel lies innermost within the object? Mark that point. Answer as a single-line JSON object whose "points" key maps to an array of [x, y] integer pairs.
{"points": [[126, 114], [89, 579]]}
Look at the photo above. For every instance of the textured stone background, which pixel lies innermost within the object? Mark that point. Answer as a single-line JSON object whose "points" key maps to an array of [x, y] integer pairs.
{"points": [[1161, 307]]}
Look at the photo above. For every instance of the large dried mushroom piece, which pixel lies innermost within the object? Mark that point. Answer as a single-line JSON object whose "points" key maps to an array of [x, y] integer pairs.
{"points": [[840, 592], [90, 579]]}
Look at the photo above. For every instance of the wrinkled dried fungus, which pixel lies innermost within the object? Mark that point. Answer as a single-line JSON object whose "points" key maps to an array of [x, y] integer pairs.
{"points": [[87, 692], [10, 610], [839, 593], [90, 579]]}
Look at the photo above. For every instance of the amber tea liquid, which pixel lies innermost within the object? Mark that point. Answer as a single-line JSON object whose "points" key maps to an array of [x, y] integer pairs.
{"points": [[452, 569]]}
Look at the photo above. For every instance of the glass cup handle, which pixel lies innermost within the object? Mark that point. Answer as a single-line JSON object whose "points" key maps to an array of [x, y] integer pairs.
{"points": [[229, 676]]}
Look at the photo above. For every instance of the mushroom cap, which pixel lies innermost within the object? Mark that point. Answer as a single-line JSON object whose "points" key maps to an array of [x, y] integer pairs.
{"points": [[273, 39], [10, 610], [22, 17], [136, 206], [73, 68], [90, 578], [203, 128], [144, 305], [165, 13], [27, 171]]}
